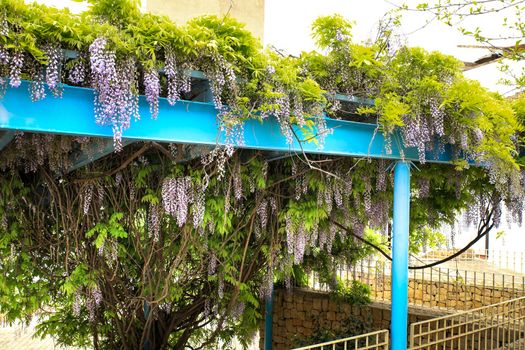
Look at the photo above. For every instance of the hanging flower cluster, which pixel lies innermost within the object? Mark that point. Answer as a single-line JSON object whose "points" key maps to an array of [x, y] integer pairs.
{"points": [[77, 74], [177, 195], [152, 91], [16, 62], [54, 68], [115, 85]]}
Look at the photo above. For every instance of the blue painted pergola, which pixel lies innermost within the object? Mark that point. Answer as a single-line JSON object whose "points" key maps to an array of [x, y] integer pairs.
{"points": [[195, 123]]}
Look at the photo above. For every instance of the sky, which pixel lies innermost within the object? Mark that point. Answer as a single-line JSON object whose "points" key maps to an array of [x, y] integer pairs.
{"points": [[287, 27]]}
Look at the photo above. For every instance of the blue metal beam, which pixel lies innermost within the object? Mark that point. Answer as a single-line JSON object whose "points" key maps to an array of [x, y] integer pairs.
{"points": [[190, 123], [399, 283]]}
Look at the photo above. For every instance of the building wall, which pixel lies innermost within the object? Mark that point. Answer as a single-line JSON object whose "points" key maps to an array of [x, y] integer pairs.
{"points": [[249, 12]]}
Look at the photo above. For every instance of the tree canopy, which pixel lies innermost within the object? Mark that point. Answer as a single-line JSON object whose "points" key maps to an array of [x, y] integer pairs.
{"points": [[199, 241]]}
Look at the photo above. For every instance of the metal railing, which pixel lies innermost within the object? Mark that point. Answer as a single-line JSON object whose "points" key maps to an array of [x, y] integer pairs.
{"points": [[514, 261], [468, 255], [378, 340], [500, 326], [435, 287], [501, 259]]}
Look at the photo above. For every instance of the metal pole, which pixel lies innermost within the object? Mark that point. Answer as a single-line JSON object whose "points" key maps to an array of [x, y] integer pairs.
{"points": [[400, 255], [268, 322], [487, 245]]}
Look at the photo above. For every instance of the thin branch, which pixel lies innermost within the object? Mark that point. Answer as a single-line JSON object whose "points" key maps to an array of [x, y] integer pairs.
{"points": [[122, 166], [341, 226], [485, 228], [307, 161]]}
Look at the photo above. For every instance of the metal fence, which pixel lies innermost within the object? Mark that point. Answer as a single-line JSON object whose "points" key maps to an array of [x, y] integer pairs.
{"points": [[436, 287], [513, 261], [500, 326], [378, 340]]}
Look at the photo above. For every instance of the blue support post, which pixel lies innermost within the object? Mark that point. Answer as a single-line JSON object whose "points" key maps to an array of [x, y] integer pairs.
{"points": [[146, 315], [400, 256], [5, 138], [268, 322]]}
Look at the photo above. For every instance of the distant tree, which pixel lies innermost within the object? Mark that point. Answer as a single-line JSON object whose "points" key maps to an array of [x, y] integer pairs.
{"points": [[497, 25]]}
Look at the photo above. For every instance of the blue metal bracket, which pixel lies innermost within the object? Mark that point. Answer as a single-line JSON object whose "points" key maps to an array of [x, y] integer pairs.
{"points": [[5, 137], [202, 91], [95, 152]]}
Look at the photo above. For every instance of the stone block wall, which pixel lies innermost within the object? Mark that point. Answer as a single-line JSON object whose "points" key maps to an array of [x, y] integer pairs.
{"points": [[456, 296], [298, 314]]}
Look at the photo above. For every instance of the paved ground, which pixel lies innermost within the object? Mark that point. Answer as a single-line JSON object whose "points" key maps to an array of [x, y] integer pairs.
{"points": [[18, 338]]}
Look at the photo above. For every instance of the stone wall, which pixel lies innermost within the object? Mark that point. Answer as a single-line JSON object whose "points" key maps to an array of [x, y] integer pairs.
{"points": [[300, 313], [452, 295]]}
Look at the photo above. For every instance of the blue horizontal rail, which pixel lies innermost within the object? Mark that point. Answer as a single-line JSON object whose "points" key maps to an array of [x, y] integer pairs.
{"points": [[190, 123]]}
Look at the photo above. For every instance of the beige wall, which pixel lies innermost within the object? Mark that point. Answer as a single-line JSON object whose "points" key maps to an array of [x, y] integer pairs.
{"points": [[250, 12]]}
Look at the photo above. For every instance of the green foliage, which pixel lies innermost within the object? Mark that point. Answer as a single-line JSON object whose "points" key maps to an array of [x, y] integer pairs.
{"points": [[326, 30], [112, 229], [392, 111], [66, 329], [355, 293], [425, 237], [79, 277], [117, 12]]}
